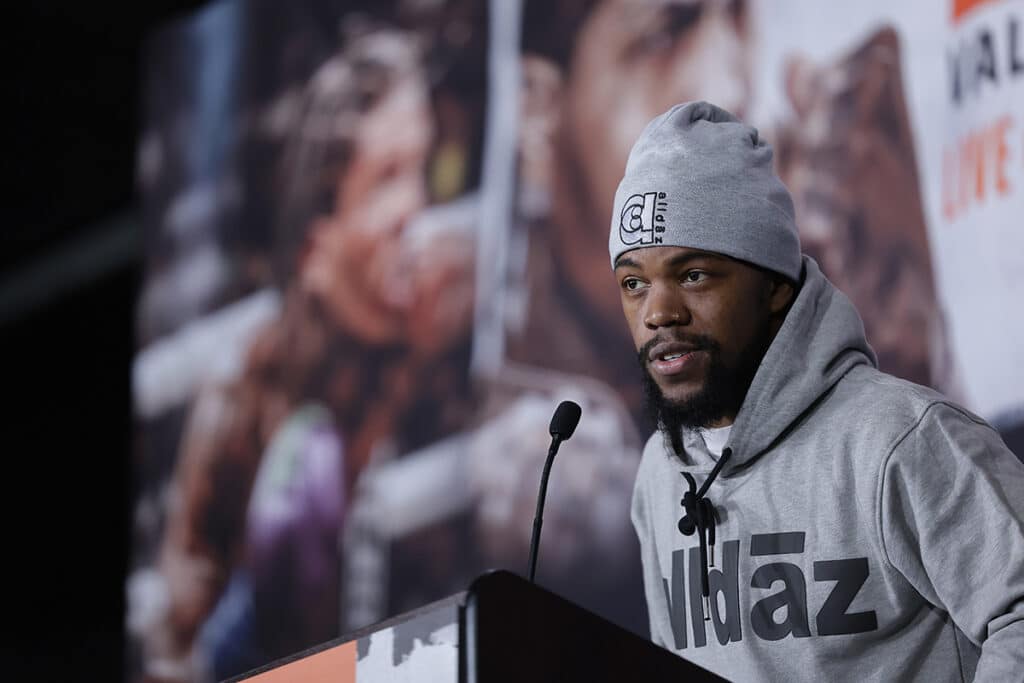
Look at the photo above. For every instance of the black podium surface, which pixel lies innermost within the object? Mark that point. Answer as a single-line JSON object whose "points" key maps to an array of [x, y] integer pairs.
{"points": [[503, 629]]}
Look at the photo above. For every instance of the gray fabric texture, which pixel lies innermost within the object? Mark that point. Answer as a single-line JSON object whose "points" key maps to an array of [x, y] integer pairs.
{"points": [[869, 529], [697, 177]]}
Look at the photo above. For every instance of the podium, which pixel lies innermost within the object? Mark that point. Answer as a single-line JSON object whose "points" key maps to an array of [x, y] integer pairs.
{"points": [[503, 629]]}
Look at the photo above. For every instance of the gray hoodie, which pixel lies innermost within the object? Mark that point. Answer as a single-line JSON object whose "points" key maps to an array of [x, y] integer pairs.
{"points": [[868, 529]]}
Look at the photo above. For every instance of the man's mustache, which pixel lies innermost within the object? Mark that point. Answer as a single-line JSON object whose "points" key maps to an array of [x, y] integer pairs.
{"points": [[699, 342]]}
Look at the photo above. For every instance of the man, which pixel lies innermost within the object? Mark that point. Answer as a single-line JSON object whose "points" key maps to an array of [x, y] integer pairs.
{"points": [[837, 523]]}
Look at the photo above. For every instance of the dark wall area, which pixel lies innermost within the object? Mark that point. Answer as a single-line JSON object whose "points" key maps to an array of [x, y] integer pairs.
{"points": [[72, 81], [65, 515]]}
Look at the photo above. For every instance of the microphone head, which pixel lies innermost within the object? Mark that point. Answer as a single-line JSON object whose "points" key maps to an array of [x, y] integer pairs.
{"points": [[565, 419]]}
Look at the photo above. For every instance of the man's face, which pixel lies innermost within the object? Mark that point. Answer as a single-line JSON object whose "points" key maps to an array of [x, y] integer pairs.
{"points": [[701, 322], [633, 60]]}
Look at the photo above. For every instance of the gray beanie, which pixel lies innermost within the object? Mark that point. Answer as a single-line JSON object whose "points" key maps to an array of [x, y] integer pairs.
{"points": [[697, 177]]}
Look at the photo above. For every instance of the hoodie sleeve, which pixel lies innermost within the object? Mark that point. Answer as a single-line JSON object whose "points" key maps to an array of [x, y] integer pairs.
{"points": [[952, 522]]}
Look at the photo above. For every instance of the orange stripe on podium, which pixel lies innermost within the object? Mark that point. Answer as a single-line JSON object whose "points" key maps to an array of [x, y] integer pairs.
{"points": [[336, 665], [962, 7]]}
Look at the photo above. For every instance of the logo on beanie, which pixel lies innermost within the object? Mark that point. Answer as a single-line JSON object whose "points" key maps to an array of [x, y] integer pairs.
{"points": [[643, 219]]}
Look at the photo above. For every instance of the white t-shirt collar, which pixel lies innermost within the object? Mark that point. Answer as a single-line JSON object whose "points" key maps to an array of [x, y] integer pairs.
{"points": [[715, 438]]}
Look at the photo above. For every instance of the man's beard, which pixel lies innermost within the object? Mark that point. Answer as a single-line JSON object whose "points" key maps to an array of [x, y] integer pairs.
{"points": [[721, 395]]}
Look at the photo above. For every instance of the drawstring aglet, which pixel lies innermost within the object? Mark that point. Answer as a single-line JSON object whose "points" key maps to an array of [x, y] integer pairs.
{"points": [[707, 608]]}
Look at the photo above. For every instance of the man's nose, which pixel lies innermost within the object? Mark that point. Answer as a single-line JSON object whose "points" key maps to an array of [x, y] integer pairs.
{"points": [[665, 309]]}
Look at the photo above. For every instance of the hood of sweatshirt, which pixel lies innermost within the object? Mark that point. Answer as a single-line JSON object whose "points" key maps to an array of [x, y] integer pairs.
{"points": [[821, 339]]}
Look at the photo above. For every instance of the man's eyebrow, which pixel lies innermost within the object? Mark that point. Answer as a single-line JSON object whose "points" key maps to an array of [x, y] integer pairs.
{"points": [[682, 259], [678, 260], [625, 262]]}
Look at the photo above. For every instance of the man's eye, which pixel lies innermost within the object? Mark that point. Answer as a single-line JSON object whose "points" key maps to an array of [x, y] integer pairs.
{"points": [[631, 284], [695, 276]]}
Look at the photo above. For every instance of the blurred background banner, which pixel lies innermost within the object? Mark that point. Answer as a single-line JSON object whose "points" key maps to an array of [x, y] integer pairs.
{"points": [[376, 261]]}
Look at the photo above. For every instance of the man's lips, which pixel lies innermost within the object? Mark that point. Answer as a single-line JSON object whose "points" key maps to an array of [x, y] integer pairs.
{"points": [[672, 358]]}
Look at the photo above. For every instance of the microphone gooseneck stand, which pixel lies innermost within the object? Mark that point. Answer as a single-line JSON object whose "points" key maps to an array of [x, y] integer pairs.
{"points": [[563, 424]]}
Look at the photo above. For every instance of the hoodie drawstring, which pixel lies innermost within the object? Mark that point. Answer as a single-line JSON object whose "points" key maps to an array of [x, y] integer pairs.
{"points": [[700, 517]]}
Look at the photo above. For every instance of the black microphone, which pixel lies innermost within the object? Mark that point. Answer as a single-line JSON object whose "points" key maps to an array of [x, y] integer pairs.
{"points": [[563, 424]]}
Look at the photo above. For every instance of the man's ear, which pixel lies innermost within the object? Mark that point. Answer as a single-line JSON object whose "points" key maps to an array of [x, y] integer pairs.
{"points": [[540, 112], [780, 295]]}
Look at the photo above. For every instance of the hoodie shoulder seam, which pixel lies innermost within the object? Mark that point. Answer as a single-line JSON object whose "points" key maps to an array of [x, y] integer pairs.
{"points": [[880, 488]]}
